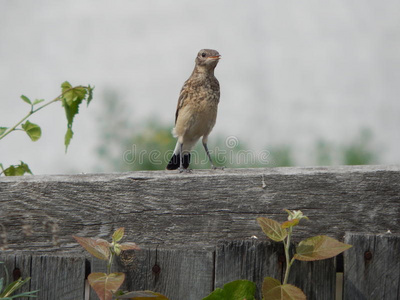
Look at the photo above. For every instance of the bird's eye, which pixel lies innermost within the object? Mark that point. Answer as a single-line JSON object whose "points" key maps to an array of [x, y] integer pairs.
{"points": [[203, 54]]}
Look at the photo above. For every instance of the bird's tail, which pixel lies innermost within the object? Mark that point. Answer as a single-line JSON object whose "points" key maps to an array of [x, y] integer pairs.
{"points": [[175, 161]]}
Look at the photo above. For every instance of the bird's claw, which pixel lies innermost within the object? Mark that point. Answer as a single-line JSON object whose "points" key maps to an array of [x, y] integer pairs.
{"points": [[187, 171], [217, 168]]}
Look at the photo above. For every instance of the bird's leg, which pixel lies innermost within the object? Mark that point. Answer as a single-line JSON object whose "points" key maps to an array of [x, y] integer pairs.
{"points": [[209, 157], [181, 159], [181, 168]]}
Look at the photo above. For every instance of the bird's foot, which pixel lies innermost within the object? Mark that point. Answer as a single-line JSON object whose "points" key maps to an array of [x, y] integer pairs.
{"points": [[217, 168], [183, 170]]}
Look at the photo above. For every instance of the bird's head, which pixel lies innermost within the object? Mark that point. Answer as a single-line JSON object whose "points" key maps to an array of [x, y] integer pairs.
{"points": [[207, 58]]}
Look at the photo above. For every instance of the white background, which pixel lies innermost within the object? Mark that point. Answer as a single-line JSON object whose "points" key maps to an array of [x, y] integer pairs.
{"points": [[292, 72]]}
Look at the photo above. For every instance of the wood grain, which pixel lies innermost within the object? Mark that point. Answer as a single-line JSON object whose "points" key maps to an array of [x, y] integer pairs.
{"points": [[178, 274], [255, 260], [197, 228], [56, 277], [372, 267], [317, 279], [251, 260], [195, 210]]}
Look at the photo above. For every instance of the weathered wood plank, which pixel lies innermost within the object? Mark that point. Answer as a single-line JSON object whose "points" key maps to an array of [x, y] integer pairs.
{"points": [[58, 277], [316, 279], [7, 266], [179, 274], [18, 265], [23, 268], [195, 210], [251, 260], [372, 267], [255, 260]]}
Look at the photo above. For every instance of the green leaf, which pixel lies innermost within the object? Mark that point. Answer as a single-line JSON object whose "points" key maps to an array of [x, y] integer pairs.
{"points": [[10, 171], [90, 94], [105, 285], [118, 234], [33, 130], [319, 247], [129, 246], [71, 101], [117, 249], [269, 283], [3, 129], [12, 287], [17, 170], [71, 98], [26, 294], [290, 223], [65, 86], [141, 295], [72, 94], [37, 101], [295, 214], [272, 229], [235, 290], [23, 166], [70, 110], [26, 99], [68, 136], [273, 290], [97, 247]]}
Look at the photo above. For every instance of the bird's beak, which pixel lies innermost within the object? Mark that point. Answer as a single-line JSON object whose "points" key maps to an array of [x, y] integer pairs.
{"points": [[215, 57]]}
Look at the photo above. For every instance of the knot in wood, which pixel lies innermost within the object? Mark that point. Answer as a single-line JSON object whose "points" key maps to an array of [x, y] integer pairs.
{"points": [[367, 255]]}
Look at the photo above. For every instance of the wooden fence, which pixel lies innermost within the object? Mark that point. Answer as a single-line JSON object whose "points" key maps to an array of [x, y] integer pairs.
{"points": [[198, 231]]}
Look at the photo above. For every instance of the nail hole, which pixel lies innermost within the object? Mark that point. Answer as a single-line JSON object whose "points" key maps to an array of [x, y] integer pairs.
{"points": [[281, 258], [156, 269], [16, 274], [368, 255]]}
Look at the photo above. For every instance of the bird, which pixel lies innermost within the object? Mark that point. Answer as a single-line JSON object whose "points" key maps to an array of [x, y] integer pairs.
{"points": [[196, 112]]}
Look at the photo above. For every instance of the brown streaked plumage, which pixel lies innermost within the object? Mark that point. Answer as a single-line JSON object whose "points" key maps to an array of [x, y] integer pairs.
{"points": [[196, 111]]}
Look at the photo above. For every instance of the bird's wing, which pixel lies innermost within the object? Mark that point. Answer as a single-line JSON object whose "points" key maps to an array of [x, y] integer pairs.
{"points": [[182, 99]]}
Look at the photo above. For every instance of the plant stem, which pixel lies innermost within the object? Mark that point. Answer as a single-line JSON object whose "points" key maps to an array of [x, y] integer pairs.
{"points": [[109, 264], [16, 125], [36, 110], [288, 263]]}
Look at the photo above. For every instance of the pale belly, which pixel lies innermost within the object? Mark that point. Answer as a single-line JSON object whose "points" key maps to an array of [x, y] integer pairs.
{"points": [[195, 122]]}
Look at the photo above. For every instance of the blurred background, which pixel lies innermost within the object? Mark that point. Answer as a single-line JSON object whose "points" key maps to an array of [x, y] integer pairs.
{"points": [[302, 83]]}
